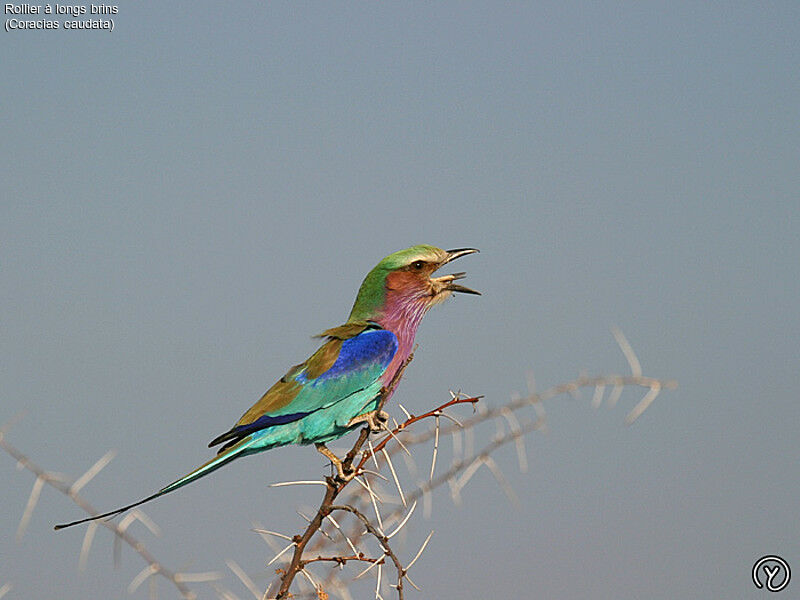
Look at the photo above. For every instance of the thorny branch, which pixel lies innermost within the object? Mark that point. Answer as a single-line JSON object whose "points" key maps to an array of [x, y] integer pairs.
{"points": [[333, 488], [382, 539], [54, 480], [457, 475], [348, 542], [436, 412]]}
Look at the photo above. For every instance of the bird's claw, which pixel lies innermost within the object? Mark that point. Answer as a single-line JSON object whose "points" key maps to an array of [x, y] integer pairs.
{"points": [[376, 420], [343, 474]]}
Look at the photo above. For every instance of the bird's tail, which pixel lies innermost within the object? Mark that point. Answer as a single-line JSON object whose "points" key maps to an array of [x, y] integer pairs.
{"points": [[212, 465]]}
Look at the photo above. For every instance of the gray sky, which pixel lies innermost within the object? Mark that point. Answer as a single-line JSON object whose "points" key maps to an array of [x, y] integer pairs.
{"points": [[185, 200]]}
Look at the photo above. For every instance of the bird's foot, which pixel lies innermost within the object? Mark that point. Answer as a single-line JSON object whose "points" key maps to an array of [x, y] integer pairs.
{"points": [[342, 475], [376, 420]]}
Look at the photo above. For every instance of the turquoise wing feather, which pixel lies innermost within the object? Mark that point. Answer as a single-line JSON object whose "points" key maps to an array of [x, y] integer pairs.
{"points": [[314, 402], [299, 408]]}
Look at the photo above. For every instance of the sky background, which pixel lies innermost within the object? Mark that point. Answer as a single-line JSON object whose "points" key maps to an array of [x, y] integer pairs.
{"points": [[187, 199]]}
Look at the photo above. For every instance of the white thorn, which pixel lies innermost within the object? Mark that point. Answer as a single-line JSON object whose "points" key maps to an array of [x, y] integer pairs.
{"points": [[394, 476], [268, 540], [3, 429], [613, 397], [396, 439], [375, 474], [372, 453], [627, 350], [310, 580], [281, 553], [93, 470], [347, 539], [152, 587], [403, 522], [452, 418], [419, 553], [597, 399], [370, 567], [541, 414], [308, 520], [414, 585], [501, 479], [643, 403], [366, 487], [126, 521], [378, 583], [275, 533], [500, 430], [306, 482], [469, 472], [36, 491], [244, 578], [148, 571], [88, 537], [146, 521], [225, 594], [519, 439], [435, 448], [455, 493], [374, 505]]}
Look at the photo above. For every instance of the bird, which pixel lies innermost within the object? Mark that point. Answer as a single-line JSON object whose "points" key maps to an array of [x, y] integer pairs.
{"points": [[340, 386]]}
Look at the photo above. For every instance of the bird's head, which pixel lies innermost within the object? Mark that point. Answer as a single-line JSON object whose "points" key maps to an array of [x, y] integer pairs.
{"points": [[404, 281]]}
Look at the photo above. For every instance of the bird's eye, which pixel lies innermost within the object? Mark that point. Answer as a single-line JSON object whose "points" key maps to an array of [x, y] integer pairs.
{"points": [[418, 264]]}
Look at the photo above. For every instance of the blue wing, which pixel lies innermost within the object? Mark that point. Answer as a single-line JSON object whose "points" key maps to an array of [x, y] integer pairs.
{"points": [[339, 369]]}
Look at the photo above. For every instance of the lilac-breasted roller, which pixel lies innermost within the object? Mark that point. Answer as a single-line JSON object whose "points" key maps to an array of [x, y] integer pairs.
{"points": [[340, 385]]}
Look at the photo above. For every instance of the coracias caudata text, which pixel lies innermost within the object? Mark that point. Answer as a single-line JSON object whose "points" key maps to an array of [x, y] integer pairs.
{"points": [[341, 384]]}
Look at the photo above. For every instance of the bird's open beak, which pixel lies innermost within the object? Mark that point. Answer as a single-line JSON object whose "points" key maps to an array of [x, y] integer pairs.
{"points": [[458, 253], [446, 282]]}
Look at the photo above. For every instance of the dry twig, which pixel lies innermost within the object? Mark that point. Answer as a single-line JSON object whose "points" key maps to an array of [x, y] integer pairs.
{"points": [[43, 477]]}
